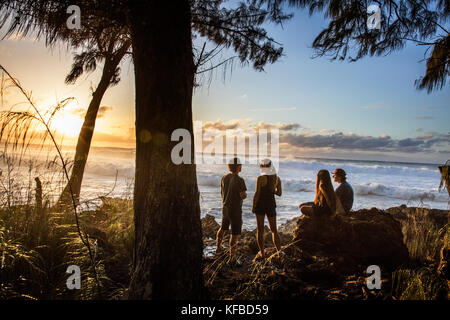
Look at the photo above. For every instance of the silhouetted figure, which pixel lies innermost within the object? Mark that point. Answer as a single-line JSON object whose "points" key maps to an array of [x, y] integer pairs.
{"points": [[38, 195], [325, 201], [267, 186], [233, 191], [345, 191]]}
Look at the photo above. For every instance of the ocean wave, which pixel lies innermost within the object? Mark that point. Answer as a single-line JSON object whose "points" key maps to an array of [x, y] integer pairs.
{"points": [[360, 189], [399, 192], [357, 167]]}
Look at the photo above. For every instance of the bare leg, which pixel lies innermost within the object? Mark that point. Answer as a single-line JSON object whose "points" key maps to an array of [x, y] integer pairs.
{"points": [[275, 236], [306, 209], [233, 244], [219, 238], [260, 234]]}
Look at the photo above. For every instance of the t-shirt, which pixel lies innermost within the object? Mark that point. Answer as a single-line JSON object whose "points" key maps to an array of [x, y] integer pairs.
{"points": [[345, 194], [231, 187]]}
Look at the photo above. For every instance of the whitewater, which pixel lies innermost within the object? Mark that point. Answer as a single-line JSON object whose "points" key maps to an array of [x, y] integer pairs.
{"points": [[110, 172]]}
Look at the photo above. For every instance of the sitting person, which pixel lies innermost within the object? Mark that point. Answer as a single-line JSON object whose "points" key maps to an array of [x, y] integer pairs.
{"points": [[325, 201], [345, 191]]}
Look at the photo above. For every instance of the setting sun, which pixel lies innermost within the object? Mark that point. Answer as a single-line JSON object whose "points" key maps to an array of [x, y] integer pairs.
{"points": [[67, 124]]}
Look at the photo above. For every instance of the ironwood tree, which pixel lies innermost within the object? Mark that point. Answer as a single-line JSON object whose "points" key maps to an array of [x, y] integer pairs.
{"points": [[168, 237], [109, 47], [348, 37]]}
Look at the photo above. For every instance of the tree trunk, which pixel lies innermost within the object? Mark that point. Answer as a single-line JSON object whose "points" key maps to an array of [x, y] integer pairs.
{"points": [[87, 130], [168, 237]]}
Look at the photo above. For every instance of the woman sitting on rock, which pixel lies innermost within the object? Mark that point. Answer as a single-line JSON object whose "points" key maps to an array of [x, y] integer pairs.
{"points": [[325, 201]]}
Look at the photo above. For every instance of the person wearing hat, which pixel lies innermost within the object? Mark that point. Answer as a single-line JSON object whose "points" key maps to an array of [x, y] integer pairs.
{"points": [[345, 191], [268, 184], [233, 191]]}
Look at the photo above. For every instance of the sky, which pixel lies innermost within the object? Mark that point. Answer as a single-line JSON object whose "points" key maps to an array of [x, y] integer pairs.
{"points": [[369, 109]]}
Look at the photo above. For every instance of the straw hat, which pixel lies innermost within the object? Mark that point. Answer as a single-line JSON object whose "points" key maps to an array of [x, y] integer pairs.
{"points": [[267, 168]]}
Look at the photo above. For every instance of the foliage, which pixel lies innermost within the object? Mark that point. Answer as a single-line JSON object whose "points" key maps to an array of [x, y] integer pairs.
{"points": [[424, 241], [347, 36], [423, 238], [421, 284], [445, 177], [35, 251]]}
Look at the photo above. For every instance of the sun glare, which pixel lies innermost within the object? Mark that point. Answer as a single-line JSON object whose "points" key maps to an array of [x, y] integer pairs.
{"points": [[67, 124]]}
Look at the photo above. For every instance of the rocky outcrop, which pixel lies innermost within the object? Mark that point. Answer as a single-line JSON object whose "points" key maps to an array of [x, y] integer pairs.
{"points": [[209, 227], [365, 237], [323, 258], [439, 217]]}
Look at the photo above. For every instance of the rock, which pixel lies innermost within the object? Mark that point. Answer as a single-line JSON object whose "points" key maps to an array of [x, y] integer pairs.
{"points": [[322, 258], [289, 226], [249, 244], [438, 217], [209, 226], [365, 237]]}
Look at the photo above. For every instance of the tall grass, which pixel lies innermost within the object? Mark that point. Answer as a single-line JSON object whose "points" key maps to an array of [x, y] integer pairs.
{"points": [[36, 247], [38, 243], [424, 240]]}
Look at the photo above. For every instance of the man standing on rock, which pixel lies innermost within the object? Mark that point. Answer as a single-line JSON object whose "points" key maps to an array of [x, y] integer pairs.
{"points": [[345, 191], [233, 191]]}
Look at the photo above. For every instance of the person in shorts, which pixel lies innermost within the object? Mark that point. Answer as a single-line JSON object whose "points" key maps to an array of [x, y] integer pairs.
{"points": [[233, 190], [268, 184]]}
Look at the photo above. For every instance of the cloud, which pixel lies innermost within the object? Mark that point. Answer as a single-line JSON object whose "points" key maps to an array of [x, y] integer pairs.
{"points": [[230, 125], [103, 110], [329, 139], [351, 142], [274, 109], [423, 118], [327, 131], [279, 126], [376, 106], [426, 108], [105, 137], [81, 112], [236, 124]]}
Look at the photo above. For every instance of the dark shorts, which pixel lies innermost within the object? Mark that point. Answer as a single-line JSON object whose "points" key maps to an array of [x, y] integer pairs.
{"points": [[269, 212], [233, 217]]}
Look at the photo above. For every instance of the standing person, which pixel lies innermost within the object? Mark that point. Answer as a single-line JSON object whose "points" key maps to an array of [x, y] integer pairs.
{"points": [[267, 185], [345, 191], [325, 200], [233, 190]]}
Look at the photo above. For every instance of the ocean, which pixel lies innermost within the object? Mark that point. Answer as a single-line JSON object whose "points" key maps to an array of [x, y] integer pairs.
{"points": [[110, 172]]}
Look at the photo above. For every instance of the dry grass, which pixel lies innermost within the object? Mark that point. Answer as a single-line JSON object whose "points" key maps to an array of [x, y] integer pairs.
{"points": [[424, 240]]}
